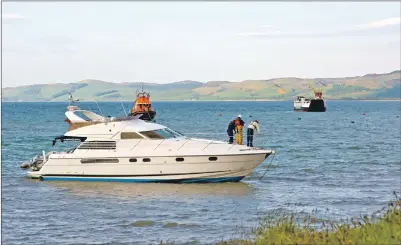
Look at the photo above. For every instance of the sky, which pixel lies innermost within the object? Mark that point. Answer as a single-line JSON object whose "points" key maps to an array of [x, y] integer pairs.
{"points": [[163, 42]]}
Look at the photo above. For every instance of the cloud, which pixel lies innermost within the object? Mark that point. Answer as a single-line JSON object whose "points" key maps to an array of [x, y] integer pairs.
{"points": [[381, 23], [11, 17], [359, 30]]}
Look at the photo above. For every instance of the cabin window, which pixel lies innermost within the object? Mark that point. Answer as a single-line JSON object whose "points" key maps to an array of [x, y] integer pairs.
{"points": [[212, 158], [146, 160], [82, 115], [179, 159], [99, 160], [152, 135], [133, 160], [130, 135]]}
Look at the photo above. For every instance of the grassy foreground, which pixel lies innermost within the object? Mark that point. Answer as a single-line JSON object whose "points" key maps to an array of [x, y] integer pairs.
{"points": [[382, 229]]}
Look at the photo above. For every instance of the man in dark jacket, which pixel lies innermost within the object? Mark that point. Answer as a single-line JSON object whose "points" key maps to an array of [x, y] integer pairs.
{"points": [[230, 132]]}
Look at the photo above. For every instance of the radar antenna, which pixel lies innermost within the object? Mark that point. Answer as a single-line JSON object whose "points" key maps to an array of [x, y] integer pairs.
{"points": [[317, 91]]}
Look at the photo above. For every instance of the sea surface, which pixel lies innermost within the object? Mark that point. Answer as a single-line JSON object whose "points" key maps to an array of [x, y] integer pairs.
{"points": [[342, 163]]}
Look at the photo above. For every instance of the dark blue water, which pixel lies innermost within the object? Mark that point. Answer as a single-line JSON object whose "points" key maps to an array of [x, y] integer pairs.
{"points": [[323, 161]]}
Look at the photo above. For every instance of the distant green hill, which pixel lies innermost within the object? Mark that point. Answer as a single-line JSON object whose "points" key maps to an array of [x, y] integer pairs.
{"points": [[370, 86]]}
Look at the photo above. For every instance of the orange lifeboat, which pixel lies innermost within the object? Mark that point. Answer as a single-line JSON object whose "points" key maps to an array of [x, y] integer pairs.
{"points": [[142, 106]]}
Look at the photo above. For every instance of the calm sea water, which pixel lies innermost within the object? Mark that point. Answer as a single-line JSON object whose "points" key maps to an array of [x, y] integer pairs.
{"points": [[323, 161]]}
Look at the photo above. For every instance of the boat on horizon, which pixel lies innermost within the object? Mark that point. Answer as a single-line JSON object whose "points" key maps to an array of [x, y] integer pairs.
{"points": [[128, 149], [310, 105]]}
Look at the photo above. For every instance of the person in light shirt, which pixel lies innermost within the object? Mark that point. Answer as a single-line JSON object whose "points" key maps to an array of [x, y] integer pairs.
{"points": [[250, 132]]}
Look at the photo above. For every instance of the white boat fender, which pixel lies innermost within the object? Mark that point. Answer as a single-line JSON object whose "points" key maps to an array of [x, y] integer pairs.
{"points": [[29, 163], [26, 164], [273, 153]]}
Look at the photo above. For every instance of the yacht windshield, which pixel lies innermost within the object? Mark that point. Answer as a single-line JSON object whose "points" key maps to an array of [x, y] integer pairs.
{"points": [[158, 134], [175, 133], [161, 134]]}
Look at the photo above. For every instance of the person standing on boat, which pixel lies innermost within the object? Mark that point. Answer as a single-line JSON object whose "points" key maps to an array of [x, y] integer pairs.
{"points": [[239, 124], [250, 132], [230, 132]]}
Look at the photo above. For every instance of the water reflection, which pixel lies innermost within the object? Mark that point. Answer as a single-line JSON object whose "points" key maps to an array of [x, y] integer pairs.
{"points": [[151, 189]]}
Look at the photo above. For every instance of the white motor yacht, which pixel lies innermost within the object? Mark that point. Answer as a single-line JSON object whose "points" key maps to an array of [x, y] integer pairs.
{"points": [[128, 149]]}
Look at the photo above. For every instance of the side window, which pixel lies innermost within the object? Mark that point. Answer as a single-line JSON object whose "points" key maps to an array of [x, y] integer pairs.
{"points": [[146, 160], [152, 135], [130, 135], [212, 158]]}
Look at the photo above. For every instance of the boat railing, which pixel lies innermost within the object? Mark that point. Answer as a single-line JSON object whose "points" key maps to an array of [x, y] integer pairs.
{"points": [[182, 145], [158, 145], [134, 145], [208, 142], [257, 141], [208, 145]]}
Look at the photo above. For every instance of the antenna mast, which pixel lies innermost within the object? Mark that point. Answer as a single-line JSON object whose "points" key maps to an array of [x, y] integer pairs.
{"points": [[123, 108], [317, 91], [71, 101]]}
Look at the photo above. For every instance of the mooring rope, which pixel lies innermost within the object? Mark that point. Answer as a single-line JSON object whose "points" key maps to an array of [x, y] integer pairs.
{"points": [[274, 153]]}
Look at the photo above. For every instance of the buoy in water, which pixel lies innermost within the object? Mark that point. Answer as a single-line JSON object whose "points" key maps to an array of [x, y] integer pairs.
{"points": [[352, 121], [250, 115], [219, 115], [364, 114], [299, 118]]}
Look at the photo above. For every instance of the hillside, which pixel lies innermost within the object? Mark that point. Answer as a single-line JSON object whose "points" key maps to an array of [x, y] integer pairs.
{"points": [[370, 86]]}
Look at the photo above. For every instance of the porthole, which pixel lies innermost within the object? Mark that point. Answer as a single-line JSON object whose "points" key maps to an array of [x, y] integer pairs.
{"points": [[133, 160], [146, 160], [212, 158], [179, 159]]}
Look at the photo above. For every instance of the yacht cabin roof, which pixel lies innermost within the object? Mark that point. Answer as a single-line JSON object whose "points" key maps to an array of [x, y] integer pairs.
{"points": [[111, 129]]}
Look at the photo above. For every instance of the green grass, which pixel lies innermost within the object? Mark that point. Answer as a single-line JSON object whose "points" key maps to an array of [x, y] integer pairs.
{"points": [[284, 230], [287, 229]]}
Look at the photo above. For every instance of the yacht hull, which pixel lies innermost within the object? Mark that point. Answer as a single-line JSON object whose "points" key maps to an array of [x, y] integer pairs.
{"points": [[144, 180], [196, 169]]}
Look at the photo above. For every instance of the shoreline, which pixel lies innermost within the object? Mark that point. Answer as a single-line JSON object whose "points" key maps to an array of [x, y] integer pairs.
{"points": [[260, 100], [382, 100]]}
